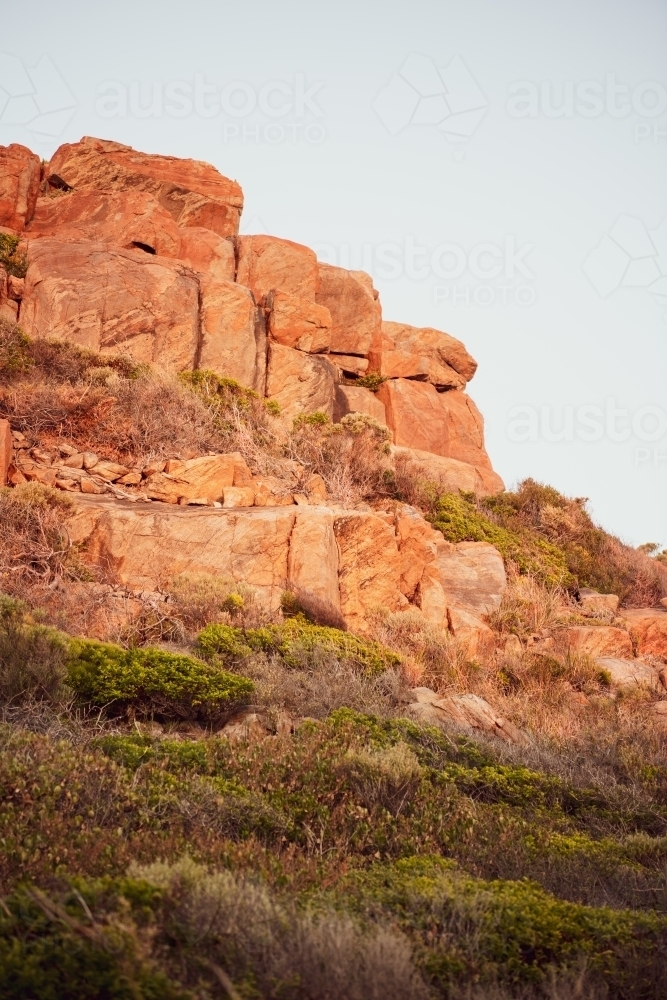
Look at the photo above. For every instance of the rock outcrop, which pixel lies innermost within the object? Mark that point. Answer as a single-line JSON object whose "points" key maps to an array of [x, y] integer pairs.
{"points": [[139, 253]]}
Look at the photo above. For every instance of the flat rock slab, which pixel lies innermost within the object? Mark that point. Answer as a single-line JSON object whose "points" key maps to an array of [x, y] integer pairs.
{"points": [[467, 711], [630, 673]]}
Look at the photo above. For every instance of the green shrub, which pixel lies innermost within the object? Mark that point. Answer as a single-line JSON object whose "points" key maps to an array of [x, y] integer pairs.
{"points": [[152, 681], [372, 381], [11, 258], [32, 657], [295, 640], [317, 419]]}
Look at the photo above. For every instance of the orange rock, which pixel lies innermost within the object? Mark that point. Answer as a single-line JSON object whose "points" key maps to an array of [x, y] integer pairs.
{"points": [[648, 628], [19, 185], [5, 450], [355, 399], [266, 263], [130, 219], [312, 565], [472, 575], [9, 309], [428, 342], [354, 306], [404, 364], [271, 492], [447, 423], [350, 363], [298, 382], [369, 572], [233, 336], [468, 711], [596, 641], [238, 496], [209, 254], [194, 193], [629, 673], [297, 322], [242, 474], [420, 578], [112, 300], [469, 629], [450, 473], [199, 478]]}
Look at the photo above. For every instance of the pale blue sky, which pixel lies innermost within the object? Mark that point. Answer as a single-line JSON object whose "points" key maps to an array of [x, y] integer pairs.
{"points": [[341, 123]]}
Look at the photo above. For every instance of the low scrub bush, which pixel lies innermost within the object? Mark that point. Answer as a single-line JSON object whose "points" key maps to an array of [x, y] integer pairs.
{"points": [[34, 543], [32, 657], [152, 681], [295, 641], [12, 258]]}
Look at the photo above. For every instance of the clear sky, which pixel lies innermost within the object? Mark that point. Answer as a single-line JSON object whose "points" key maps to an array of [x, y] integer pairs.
{"points": [[500, 169]]}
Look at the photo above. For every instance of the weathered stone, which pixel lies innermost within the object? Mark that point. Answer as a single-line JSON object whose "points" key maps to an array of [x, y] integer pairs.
{"points": [[298, 382], [207, 253], [19, 185], [130, 219], [89, 486], [472, 574], [596, 641], [451, 474], [370, 566], [5, 450], [271, 492], [312, 565], [144, 546], [242, 474], [232, 333], [405, 364], [15, 287], [467, 711], [593, 603], [354, 306], [238, 496], [266, 263], [447, 424], [316, 488], [350, 364], [297, 322], [205, 477], [471, 632], [648, 628], [353, 399], [9, 309], [112, 300], [419, 571], [194, 193], [427, 342], [624, 673], [109, 471]]}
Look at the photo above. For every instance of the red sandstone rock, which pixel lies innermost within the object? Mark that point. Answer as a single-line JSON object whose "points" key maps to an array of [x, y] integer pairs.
{"points": [[450, 473], [130, 219], [596, 640], [355, 399], [5, 451], [194, 193], [648, 628], [297, 322], [298, 382], [19, 185], [405, 364], [266, 263], [426, 341], [112, 300], [447, 424], [207, 253], [354, 306]]}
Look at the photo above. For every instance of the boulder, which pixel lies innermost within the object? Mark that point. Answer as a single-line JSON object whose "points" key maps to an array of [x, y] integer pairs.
{"points": [[312, 565], [353, 399], [369, 573], [449, 473], [648, 628], [112, 300], [5, 451], [472, 574], [596, 641], [419, 571], [238, 496], [298, 382], [19, 185], [199, 478], [428, 342], [405, 364], [629, 673], [266, 263], [447, 423], [471, 632], [130, 219], [593, 603], [207, 253], [194, 193], [297, 322], [467, 711], [144, 546], [355, 309], [271, 492], [233, 335], [350, 364]]}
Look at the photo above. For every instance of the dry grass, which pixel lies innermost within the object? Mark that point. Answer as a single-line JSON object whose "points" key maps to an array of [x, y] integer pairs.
{"points": [[528, 607]]}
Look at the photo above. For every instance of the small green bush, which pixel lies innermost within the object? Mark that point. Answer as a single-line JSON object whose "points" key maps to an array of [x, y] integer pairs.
{"points": [[151, 680], [32, 657], [293, 641], [317, 419], [11, 258]]}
